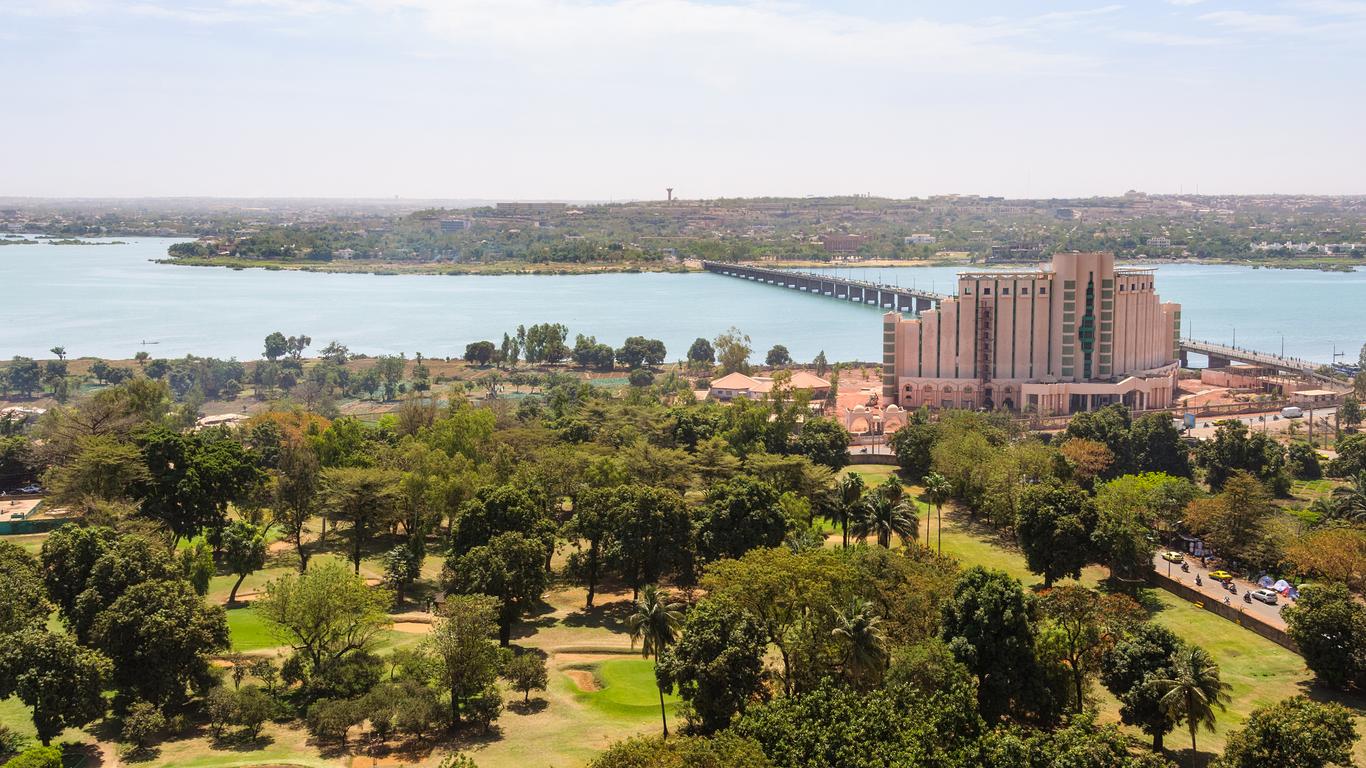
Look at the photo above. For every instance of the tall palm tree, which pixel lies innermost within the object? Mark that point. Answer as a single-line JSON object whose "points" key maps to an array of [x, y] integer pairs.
{"points": [[654, 621], [1193, 691], [881, 517], [1349, 501], [938, 489], [848, 499], [892, 489], [859, 633]]}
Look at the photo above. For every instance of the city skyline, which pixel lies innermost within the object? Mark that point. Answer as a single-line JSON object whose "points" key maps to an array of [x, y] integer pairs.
{"points": [[546, 99]]}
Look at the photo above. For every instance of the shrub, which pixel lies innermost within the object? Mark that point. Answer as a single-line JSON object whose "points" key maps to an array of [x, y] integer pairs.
{"points": [[253, 708], [37, 757], [220, 705], [486, 707], [11, 743], [329, 720], [142, 723]]}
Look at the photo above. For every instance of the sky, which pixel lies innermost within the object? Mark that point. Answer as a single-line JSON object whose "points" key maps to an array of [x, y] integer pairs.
{"points": [[618, 99]]}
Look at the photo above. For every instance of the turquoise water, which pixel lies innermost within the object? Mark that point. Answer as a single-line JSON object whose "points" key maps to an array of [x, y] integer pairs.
{"points": [[106, 300]]}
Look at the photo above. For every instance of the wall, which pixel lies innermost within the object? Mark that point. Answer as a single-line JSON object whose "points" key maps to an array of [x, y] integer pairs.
{"points": [[1230, 612]]}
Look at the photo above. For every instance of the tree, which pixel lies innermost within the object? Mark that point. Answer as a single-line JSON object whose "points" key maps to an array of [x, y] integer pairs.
{"points": [[640, 352], [989, 624], [880, 516], [1294, 733], [912, 445], [784, 591], [295, 490], [159, 635], [363, 496], [276, 346], [141, 723], [1193, 691], [1233, 448], [1349, 501], [1234, 521], [1350, 413], [61, 681], [733, 351], [717, 665], [510, 568], [526, 672], [1110, 426], [244, 552], [778, 356], [68, 557], [1157, 446], [1302, 461], [326, 615], [192, 478], [820, 363], [253, 708], [461, 642], [845, 504], [653, 622], [1088, 624], [1328, 625], [1335, 553], [938, 491], [863, 646], [23, 599], [479, 352], [1054, 525], [641, 378], [650, 533], [721, 751], [402, 566], [740, 514], [701, 352], [825, 442], [23, 375], [1129, 666]]}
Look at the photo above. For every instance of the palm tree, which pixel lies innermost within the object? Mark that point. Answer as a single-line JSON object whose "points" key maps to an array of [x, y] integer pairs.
{"points": [[848, 499], [892, 489], [880, 516], [938, 489], [1193, 691], [654, 620], [1349, 501], [859, 633]]}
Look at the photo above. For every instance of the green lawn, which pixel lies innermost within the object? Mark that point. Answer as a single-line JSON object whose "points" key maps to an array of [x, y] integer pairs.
{"points": [[626, 689], [249, 631]]}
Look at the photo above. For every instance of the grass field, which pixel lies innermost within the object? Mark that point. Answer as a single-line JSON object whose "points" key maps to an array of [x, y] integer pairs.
{"points": [[626, 688]]}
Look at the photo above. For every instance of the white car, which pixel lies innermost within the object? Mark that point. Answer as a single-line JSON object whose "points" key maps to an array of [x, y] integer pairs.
{"points": [[1267, 596]]}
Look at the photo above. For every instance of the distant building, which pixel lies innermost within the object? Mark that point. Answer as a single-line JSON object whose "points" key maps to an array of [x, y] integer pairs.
{"points": [[1014, 253], [1075, 336], [343, 253], [1159, 242], [1313, 398], [454, 225], [734, 385], [919, 238], [841, 243]]}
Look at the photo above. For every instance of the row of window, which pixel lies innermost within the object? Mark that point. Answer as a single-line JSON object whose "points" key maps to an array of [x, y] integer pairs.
{"points": [[1043, 291]]}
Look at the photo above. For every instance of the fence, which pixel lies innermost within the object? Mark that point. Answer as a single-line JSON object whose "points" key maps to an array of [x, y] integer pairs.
{"points": [[1233, 613]]}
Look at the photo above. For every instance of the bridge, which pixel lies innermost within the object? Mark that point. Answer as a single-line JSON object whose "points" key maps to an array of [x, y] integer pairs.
{"points": [[892, 297], [1221, 355]]}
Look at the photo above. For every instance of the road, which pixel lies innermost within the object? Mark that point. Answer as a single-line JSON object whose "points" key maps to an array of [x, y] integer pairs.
{"points": [[1268, 614]]}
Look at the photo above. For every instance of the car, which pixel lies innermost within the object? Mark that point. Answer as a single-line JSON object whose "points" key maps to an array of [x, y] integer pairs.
{"points": [[1267, 596], [31, 489], [1221, 575], [1173, 557]]}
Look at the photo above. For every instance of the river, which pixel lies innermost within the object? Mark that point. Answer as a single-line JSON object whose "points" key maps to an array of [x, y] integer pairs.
{"points": [[106, 300]]}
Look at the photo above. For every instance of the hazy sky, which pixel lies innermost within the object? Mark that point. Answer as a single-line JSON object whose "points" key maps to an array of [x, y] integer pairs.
{"points": [[598, 99]]}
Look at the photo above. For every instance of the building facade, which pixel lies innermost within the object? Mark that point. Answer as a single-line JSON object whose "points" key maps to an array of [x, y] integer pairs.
{"points": [[1075, 336]]}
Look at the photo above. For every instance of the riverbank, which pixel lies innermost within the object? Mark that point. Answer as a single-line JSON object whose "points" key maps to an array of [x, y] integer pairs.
{"points": [[370, 267]]}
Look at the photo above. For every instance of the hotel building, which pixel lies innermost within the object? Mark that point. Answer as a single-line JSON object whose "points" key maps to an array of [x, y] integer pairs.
{"points": [[1074, 336]]}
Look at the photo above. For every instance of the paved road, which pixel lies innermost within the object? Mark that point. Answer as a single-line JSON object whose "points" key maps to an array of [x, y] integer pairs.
{"points": [[1268, 614], [1270, 421]]}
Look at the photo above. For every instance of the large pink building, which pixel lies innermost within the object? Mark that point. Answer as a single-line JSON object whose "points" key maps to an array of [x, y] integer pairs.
{"points": [[1075, 336]]}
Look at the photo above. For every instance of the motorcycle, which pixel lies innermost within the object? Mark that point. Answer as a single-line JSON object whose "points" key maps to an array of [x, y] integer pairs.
{"points": [[1197, 580], [1185, 568], [1247, 597], [1233, 588]]}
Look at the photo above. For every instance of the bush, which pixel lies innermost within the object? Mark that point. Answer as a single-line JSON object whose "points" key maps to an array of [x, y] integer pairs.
{"points": [[220, 705], [329, 720], [11, 743], [37, 757], [486, 707], [642, 377], [142, 723], [527, 673], [254, 708]]}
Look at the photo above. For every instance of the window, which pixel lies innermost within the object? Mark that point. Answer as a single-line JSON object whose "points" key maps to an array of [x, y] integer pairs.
{"points": [[1024, 291], [1043, 291], [1005, 291], [986, 291]]}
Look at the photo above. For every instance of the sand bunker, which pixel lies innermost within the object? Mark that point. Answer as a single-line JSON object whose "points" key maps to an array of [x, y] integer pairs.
{"points": [[412, 627], [584, 679]]}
